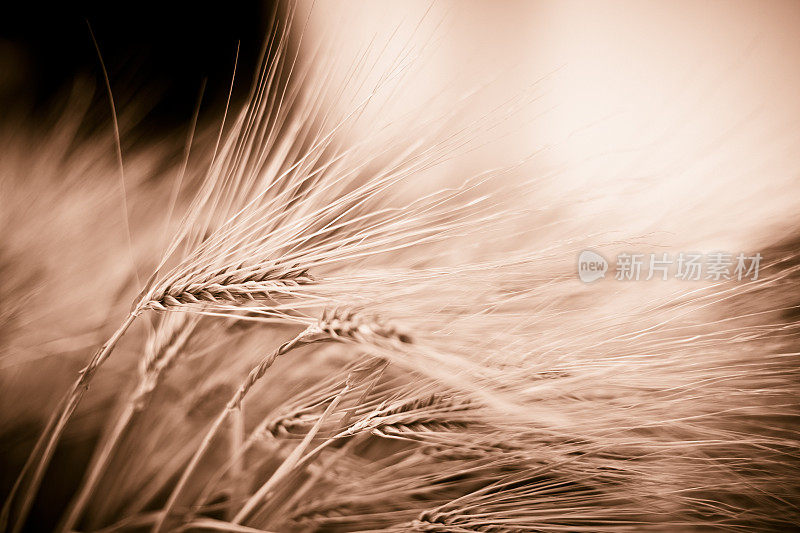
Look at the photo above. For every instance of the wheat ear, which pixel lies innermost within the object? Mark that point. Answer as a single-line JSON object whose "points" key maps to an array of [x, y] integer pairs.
{"points": [[226, 286], [270, 426], [336, 325], [308, 336]]}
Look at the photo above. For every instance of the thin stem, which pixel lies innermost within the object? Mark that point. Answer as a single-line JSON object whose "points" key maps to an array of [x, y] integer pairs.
{"points": [[37, 449], [154, 365], [344, 422], [70, 403], [219, 525], [237, 471], [98, 465], [306, 337], [290, 462], [312, 480]]}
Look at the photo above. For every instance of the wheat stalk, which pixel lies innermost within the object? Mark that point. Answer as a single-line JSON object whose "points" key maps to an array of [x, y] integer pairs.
{"points": [[169, 343], [518, 400], [333, 326]]}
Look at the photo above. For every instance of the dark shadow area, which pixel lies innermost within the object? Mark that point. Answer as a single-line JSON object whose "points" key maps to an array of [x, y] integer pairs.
{"points": [[157, 55]]}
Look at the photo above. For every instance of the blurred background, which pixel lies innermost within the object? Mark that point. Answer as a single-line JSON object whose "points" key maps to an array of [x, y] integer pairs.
{"points": [[675, 123], [675, 95], [686, 109], [157, 54]]}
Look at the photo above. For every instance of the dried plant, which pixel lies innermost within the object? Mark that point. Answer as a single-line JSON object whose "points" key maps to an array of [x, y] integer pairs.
{"points": [[332, 336]]}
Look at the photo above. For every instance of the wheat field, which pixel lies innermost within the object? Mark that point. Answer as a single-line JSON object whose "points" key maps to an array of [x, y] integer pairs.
{"points": [[349, 300]]}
